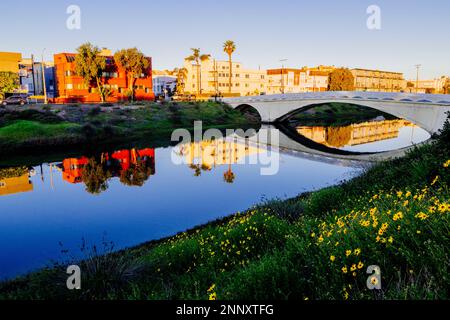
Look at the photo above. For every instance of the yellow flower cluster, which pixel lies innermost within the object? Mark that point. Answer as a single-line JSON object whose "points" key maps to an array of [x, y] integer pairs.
{"points": [[447, 164], [383, 217]]}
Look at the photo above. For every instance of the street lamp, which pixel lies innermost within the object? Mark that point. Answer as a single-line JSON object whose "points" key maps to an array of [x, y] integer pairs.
{"points": [[282, 74], [417, 77], [43, 77]]}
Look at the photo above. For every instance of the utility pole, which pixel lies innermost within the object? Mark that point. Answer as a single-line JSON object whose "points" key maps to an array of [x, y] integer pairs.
{"points": [[43, 78], [32, 74], [417, 77], [282, 74]]}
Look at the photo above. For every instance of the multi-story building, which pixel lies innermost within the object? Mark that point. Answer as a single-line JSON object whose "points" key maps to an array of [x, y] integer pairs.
{"points": [[212, 77], [29, 73], [316, 78], [437, 85], [376, 80], [72, 88], [31, 77], [164, 83], [298, 80], [285, 80]]}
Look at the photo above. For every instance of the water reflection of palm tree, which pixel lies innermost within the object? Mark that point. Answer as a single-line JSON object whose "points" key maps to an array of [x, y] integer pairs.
{"points": [[229, 175], [197, 169], [95, 176], [136, 175]]}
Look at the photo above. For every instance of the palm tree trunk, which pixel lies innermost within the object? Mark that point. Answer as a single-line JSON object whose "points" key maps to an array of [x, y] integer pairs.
{"points": [[231, 74]]}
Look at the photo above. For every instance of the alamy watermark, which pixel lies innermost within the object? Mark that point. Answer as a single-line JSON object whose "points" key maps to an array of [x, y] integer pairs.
{"points": [[74, 280], [73, 21], [236, 146], [374, 19], [374, 280]]}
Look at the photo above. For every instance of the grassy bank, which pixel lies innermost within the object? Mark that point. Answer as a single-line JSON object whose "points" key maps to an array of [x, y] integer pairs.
{"points": [[74, 125], [316, 246]]}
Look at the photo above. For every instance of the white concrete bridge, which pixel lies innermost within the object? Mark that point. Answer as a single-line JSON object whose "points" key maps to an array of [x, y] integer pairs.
{"points": [[425, 110]]}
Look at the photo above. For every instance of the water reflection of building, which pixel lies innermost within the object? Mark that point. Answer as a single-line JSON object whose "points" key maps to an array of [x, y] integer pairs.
{"points": [[116, 163], [214, 153], [354, 134], [15, 180]]}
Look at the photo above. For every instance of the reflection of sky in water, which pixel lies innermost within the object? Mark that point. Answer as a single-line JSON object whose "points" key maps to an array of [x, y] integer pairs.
{"points": [[407, 136], [172, 200]]}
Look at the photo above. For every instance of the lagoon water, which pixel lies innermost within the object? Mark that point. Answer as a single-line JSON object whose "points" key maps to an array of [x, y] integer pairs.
{"points": [[142, 195]]}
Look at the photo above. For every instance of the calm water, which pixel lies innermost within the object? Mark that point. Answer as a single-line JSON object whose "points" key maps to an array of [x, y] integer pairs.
{"points": [[147, 196]]}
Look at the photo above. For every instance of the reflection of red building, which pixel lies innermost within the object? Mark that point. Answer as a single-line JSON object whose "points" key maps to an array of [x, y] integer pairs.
{"points": [[116, 162], [73, 168], [72, 88], [128, 157]]}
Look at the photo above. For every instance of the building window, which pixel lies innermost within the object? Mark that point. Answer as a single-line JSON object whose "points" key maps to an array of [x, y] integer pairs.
{"points": [[68, 73], [69, 86]]}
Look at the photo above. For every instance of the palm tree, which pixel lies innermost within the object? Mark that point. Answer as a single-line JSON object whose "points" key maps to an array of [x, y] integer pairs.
{"points": [[181, 80], [198, 59], [229, 47]]}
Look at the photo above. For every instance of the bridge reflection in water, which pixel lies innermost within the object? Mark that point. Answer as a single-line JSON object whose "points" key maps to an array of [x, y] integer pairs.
{"points": [[354, 134]]}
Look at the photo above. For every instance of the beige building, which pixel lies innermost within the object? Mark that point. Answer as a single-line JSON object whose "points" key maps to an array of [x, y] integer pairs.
{"points": [[285, 80], [289, 80], [376, 80], [212, 78], [316, 78], [437, 86]]}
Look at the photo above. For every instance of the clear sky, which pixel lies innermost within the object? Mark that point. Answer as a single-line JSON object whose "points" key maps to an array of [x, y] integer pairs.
{"points": [[330, 32]]}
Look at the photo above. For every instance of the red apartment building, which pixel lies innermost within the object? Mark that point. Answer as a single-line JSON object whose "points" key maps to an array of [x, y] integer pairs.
{"points": [[71, 88]]}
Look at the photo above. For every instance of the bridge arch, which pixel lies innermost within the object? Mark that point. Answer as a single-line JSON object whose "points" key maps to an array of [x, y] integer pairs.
{"points": [[427, 111], [248, 108]]}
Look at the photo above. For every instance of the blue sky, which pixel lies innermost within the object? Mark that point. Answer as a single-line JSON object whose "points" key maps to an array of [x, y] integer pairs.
{"points": [[304, 32]]}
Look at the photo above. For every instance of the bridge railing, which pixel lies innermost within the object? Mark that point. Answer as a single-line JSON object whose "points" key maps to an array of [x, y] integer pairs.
{"points": [[442, 99]]}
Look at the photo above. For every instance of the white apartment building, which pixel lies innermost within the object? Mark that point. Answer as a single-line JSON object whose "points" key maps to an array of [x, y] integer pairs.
{"points": [[164, 84], [212, 77]]}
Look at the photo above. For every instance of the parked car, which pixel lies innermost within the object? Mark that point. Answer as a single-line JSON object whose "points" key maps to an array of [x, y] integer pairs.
{"points": [[15, 100]]}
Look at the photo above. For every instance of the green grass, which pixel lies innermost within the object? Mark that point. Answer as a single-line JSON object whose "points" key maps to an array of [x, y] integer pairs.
{"points": [[20, 131], [23, 129]]}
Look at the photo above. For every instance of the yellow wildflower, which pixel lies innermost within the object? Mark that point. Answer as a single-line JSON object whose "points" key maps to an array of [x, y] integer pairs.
{"points": [[213, 286], [332, 258], [422, 216], [213, 296], [398, 216]]}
